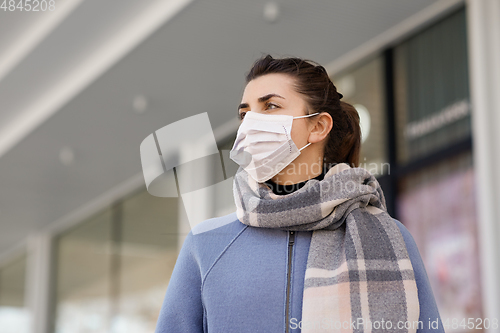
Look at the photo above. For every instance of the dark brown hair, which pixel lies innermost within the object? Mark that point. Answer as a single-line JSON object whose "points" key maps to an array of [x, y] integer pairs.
{"points": [[312, 81]]}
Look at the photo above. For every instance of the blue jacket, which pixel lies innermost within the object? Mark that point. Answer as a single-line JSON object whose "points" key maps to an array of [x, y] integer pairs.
{"points": [[230, 277]]}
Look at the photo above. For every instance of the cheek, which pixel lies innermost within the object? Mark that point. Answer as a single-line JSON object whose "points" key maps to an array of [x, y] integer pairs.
{"points": [[299, 132]]}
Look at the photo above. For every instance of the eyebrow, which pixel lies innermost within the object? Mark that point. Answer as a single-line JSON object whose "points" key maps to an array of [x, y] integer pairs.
{"points": [[261, 100]]}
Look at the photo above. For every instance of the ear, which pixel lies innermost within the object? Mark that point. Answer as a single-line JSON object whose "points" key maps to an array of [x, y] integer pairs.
{"points": [[320, 127]]}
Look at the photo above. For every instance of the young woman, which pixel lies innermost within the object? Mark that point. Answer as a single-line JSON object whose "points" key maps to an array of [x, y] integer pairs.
{"points": [[311, 247]]}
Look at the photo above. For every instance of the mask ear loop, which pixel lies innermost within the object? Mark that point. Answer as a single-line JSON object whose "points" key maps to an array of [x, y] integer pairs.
{"points": [[305, 146], [307, 115]]}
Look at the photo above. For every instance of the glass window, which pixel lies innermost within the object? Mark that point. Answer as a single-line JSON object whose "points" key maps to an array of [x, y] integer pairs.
{"points": [[148, 247], [437, 205], [363, 87], [83, 272], [112, 270], [431, 87], [14, 316]]}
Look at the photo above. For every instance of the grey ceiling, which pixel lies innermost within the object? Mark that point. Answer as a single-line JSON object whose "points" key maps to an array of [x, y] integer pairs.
{"points": [[194, 63]]}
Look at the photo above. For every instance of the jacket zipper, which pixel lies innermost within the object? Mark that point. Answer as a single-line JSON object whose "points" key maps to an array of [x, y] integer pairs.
{"points": [[291, 241]]}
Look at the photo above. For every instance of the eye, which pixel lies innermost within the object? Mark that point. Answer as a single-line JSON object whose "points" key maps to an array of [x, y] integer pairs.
{"points": [[272, 106], [241, 115]]}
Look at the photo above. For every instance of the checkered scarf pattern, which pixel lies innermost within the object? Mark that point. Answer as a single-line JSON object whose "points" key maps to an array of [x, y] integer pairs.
{"points": [[359, 276]]}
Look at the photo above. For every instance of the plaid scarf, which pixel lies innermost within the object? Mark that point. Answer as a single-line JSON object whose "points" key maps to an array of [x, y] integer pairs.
{"points": [[359, 277]]}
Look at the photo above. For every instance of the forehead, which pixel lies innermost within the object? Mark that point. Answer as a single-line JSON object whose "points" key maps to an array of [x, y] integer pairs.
{"points": [[280, 84]]}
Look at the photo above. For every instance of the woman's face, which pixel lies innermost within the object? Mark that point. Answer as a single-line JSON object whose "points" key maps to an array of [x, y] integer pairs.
{"points": [[274, 94]]}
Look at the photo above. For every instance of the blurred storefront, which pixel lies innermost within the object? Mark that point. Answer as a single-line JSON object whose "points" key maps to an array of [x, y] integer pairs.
{"points": [[425, 129]]}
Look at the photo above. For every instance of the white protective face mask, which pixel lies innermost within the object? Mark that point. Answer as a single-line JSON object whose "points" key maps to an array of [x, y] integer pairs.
{"points": [[264, 146]]}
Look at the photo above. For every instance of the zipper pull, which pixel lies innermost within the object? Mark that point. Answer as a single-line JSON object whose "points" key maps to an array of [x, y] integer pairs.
{"points": [[291, 238]]}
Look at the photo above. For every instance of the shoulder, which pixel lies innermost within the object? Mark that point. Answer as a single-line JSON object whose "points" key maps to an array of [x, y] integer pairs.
{"points": [[428, 307], [411, 246], [212, 225], [208, 239], [415, 257], [405, 232]]}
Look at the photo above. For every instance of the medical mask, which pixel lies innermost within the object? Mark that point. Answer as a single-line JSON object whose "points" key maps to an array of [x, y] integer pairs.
{"points": [[264, 146]]}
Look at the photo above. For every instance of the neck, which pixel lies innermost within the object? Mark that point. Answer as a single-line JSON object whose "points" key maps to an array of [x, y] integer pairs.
{"points": [[299, 171], [287, 189]]}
